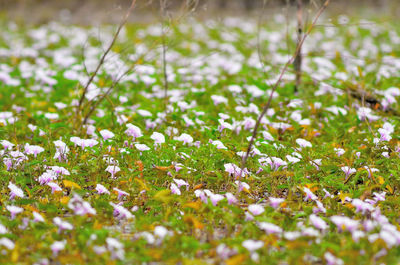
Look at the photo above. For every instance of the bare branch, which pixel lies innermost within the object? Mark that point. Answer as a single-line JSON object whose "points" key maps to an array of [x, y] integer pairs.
{"points": [[285, 68], [103, 57]]}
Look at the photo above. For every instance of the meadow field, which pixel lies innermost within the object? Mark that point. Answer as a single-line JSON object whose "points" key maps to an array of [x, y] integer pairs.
{"points": [[136, 155]]}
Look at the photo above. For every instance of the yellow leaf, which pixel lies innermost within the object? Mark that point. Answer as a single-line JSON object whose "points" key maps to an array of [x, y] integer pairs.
{"points": [[97, 225], [15, 254], [236, 260], [381, 180], [194, 205], [142, 184], [342, 196], [70, 184], [193, 221], [390, 189], [64, 199], [163, 196]]}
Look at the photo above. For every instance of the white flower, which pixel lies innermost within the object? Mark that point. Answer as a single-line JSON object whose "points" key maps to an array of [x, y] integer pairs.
{"points": [[15, 191], [113, 170], [133, 131], [106, 134], [255, 209], [318, 222], [185, 138], [303, 143], [142, 147], [158, 138], [252, 245]]}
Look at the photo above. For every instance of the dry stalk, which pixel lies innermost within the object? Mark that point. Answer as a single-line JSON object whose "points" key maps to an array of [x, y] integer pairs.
{"points": [[298, 59]]}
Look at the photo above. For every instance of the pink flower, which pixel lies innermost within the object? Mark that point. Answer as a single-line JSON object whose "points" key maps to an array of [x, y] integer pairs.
{"points": [[379, 196], [113, 170], [332, 260], [318, 222], [385, 134], [320, 208], [121, 193], [101, 189], [215, 198], [54, 187], [14, 210], [361, 206], [106, 134], [201, 194], [219, 99], [80, 207], [242, 185]]}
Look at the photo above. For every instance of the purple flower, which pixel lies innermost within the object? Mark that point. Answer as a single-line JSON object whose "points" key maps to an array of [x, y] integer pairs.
{"points": [[275, 202]]}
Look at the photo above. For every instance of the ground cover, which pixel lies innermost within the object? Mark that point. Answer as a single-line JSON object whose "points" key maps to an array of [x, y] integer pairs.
{"points": [[156, 180]]}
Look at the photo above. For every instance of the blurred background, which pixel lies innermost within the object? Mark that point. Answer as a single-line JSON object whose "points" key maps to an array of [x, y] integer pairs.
{"points": [[110, 11]]}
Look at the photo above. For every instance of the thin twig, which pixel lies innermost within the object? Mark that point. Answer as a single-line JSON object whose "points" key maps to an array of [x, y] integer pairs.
{"points": [[285, 68], [103, 57]]}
